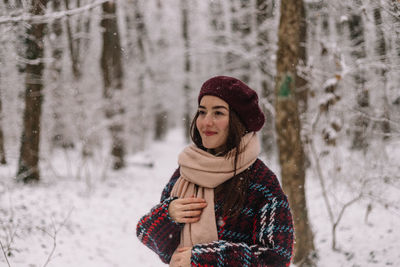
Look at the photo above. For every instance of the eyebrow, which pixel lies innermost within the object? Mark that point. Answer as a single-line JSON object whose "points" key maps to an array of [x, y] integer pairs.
{"points": [[214, 107]]}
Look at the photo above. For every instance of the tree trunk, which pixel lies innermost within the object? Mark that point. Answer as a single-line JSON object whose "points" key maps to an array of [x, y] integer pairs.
{"points": [[237, 64], [111, 65], [161, 114], [78, 41], [141, 36], [291, 153], [381, 51], [395, 9], [265, 11], [187, 89], [72, 46], [77, 49], [219, 30], [60, 137], [28, 165], [362, 94], [2, 151]]}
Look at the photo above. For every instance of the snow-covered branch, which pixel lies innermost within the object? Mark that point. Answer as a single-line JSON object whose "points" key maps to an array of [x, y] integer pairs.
{"points": [[34, 19]]}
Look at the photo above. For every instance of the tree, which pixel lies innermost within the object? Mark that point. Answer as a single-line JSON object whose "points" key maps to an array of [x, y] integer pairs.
{"points": [[28, 167], [77, 29], [187, 87], [291, 153], [111, 66], [265, 14], [381, 51], [141, 69], [76, 45], [2, 151], [161, 114], [241, 41], [60, 137], [358, 53]]}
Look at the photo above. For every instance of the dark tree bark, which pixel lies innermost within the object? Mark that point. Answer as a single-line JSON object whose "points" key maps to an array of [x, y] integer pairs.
{"points": [[358, 53], [395, 10], [2, 151], [28, 165], [381, 52], [161, 125], [111, 65], [291, 153], [187, 88], [77, 45], [73, 48], [73, 45]]}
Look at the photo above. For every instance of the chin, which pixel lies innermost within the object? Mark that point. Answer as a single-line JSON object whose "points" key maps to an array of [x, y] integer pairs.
{"points": [[212, 145], [209, 146]]}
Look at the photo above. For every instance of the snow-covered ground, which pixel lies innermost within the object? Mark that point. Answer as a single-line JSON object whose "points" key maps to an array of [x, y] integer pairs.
{"points": [[91, 221]]}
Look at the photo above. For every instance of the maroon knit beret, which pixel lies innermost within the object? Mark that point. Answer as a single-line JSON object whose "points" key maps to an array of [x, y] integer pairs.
{"points": [[241, 98]]}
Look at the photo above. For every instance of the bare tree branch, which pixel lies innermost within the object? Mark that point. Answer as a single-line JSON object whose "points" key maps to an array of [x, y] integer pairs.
{"points": [[54, 236], [35, 19], [5, 254]]}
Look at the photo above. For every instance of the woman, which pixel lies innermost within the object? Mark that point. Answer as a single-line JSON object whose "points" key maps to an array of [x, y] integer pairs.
{"points": [[222, 206]]}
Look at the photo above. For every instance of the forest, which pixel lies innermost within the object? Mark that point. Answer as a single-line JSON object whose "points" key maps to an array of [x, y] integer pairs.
{"points": [[97, 96]]}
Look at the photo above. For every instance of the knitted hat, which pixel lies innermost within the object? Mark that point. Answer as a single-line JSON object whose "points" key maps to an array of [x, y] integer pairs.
{"points": [[241, 98]]}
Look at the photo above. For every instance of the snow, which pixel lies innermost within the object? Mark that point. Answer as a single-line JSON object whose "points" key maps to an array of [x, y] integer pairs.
{"points": [[93, 223], [330, 82]]}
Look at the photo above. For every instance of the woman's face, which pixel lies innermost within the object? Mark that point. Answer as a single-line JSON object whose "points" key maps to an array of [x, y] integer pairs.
{"points": [[213, 122]]}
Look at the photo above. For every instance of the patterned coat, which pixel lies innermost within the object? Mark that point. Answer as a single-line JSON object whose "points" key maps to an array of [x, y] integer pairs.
{"points": [[261, 235]]}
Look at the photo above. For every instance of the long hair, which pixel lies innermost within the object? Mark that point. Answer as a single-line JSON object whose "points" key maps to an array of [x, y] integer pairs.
{"points": [[233, 191]]}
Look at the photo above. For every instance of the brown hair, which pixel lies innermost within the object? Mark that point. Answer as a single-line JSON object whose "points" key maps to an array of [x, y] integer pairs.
{"points": [[233, 191]]}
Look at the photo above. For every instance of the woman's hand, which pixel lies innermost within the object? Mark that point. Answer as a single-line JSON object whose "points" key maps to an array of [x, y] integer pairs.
{"points": [[186, 210], [181, 257]]}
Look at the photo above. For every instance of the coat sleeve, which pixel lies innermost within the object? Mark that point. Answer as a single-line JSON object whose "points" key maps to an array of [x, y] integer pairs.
{"points": [[157, 229], [271, 246]]}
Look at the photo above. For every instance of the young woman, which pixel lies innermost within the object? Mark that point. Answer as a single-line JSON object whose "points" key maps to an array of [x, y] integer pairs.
{"points": [[222, 206]]}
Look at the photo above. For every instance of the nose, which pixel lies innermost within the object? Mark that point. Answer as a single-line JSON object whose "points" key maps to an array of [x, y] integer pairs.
{"points": [[208, 120]]}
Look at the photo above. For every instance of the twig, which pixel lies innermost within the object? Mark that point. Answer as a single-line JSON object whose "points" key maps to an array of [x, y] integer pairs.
{"points": [[54, 236], [319, 169], [321, 179], [338, 219], [5, 254], [322, 182]]}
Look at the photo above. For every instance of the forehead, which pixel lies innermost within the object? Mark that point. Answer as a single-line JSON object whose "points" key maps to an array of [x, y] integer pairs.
{"points": [[212, 101]]}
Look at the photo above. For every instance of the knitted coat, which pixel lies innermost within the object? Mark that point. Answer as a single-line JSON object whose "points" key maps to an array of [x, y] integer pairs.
{"points": [[261, 235]]}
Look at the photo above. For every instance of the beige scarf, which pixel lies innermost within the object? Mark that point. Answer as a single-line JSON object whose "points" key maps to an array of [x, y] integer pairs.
{"points": [[198, 167]]}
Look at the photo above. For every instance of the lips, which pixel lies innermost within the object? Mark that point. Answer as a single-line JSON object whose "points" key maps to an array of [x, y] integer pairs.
{"points": [[209, 133]]}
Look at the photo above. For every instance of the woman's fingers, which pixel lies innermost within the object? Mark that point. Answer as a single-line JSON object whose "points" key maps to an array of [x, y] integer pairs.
{"points": [[189, 220], [191, 200], [195, 206], [187, 210], [192, 213]]}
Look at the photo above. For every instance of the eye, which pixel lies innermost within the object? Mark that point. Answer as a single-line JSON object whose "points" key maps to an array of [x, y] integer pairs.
{"points": [[201, 112], [219, 113]]}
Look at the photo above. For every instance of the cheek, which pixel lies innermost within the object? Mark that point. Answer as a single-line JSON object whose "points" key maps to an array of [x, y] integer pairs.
{"points": [[225, 126], [198, 124]]}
